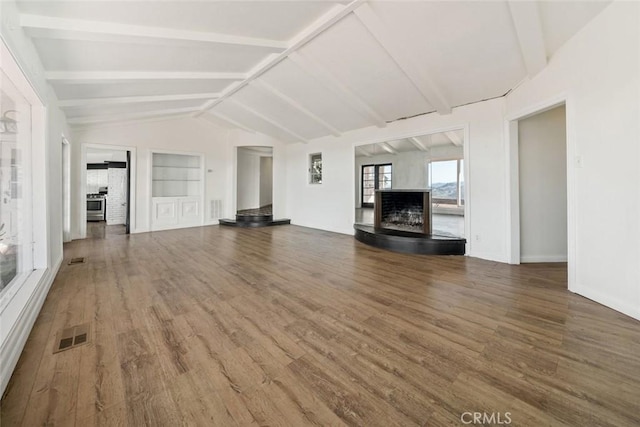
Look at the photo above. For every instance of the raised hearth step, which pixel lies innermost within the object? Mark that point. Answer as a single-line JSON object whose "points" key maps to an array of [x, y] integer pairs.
{"points": [[253, 218], [410, 243], [259, 223]]}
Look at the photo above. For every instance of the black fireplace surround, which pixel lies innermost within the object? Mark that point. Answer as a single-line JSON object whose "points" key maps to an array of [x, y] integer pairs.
{"points": [[403, 210]]}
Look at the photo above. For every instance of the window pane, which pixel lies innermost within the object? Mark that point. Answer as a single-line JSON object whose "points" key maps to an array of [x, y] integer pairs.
{"points": [[16, 258], [444, 181], [315, 168]]}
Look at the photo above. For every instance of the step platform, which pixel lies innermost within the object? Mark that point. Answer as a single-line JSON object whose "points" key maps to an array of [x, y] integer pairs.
{"points": [[409, 243], [253, 220]]}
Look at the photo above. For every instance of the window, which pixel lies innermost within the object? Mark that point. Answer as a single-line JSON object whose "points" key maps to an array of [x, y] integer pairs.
{"points": [[446, 180], [315, 168], [16, 242], [374, 177]]}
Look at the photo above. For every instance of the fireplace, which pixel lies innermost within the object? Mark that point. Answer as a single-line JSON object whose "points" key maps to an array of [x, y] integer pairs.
{"points": [[403, 210]]}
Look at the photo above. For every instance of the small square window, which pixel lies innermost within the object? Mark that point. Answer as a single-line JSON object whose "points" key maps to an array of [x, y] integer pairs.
{"points": [[315, 168]]}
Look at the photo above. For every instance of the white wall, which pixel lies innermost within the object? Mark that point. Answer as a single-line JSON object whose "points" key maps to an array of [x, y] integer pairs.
{"points": [[543, 186], [330, 205], [179, 135], [266, 181], [248, 179], [598, 73]]}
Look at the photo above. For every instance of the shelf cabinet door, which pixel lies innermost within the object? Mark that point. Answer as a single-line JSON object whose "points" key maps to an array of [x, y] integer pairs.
{"points": [[165, 213], [190, 211]]}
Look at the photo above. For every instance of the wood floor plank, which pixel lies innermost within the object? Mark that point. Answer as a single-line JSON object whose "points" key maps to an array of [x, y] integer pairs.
{"points": [[294, 326]]}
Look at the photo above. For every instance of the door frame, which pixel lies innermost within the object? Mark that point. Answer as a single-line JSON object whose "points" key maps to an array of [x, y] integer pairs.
{"points": [[513, 180], [82, 206]]}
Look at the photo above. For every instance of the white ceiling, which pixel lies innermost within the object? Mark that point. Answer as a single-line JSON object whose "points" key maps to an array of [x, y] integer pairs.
{"points": [[295, 70]]}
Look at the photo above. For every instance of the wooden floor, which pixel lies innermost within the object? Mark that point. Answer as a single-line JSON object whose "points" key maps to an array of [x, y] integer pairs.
{"points": [[292, 326]]}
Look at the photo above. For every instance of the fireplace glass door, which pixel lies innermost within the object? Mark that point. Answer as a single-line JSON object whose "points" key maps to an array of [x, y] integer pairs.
{"points": [[374, 177]]}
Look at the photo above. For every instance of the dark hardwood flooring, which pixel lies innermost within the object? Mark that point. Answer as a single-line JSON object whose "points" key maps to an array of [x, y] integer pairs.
{"points": [[292, 326]]}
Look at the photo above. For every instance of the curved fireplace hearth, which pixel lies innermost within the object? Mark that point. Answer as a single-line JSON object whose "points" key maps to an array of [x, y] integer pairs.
{"points": [[402, 223]]}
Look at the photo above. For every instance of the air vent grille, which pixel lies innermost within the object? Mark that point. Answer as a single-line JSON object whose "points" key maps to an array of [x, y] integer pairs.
{"points": [[72, 337]]}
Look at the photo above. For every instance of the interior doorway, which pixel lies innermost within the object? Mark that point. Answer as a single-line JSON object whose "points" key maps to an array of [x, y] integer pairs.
{"points": [[542, 169], [254, 181], [108, 190]]}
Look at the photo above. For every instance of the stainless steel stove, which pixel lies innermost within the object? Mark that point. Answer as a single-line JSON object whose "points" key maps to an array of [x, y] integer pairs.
{"points": [[96, 207]]}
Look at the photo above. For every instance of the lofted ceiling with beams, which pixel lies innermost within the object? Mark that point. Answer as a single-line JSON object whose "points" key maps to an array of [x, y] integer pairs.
{"points": [[424, 143], [294, 70]]}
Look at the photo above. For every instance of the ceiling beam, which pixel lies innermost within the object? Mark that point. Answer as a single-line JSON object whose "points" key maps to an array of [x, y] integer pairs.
{"points": [[128, 116], [85, 102], [396, 48], [314, 69], [268, 120], [454, 138], [418, 144], [386, 147], [295, 104], [76, 29], [92, 76], [228, 120], [328, 20], [99, 125], [526, 20]]}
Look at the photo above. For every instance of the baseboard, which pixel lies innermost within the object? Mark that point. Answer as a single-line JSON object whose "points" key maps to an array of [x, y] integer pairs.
{"points": [[615, 304], [543, 258], [11, 348]]}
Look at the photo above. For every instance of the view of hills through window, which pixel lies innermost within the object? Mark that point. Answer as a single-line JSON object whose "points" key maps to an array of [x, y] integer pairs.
{"points": [[447, 180]]}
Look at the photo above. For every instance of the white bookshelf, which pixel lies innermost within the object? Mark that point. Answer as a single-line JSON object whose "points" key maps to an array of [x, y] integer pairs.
{"points": [[176, 190]]}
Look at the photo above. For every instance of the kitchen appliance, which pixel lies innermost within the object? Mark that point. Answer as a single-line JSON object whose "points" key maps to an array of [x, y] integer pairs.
{"points": [[96, 207]]}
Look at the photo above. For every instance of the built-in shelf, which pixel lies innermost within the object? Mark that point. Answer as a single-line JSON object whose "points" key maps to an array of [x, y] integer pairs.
{"points": [[177, 189], [176, 175]]}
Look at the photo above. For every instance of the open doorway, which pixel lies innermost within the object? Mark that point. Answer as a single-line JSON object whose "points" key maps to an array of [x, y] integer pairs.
{"points": [[254, 193], [434, 162], [542, 182], [108, 191]]}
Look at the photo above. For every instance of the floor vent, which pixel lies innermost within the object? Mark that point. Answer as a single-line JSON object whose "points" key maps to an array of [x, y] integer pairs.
{"points": [[79, 260], [216, 209], [72, 337]]}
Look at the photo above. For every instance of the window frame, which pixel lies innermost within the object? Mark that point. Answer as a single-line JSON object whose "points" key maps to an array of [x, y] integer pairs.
{"points": [[376, 180]]}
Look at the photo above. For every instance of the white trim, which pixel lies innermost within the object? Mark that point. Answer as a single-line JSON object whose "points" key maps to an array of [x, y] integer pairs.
{"points": [[624, 307], [543, 258], [40, 282], [83, 185]]}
